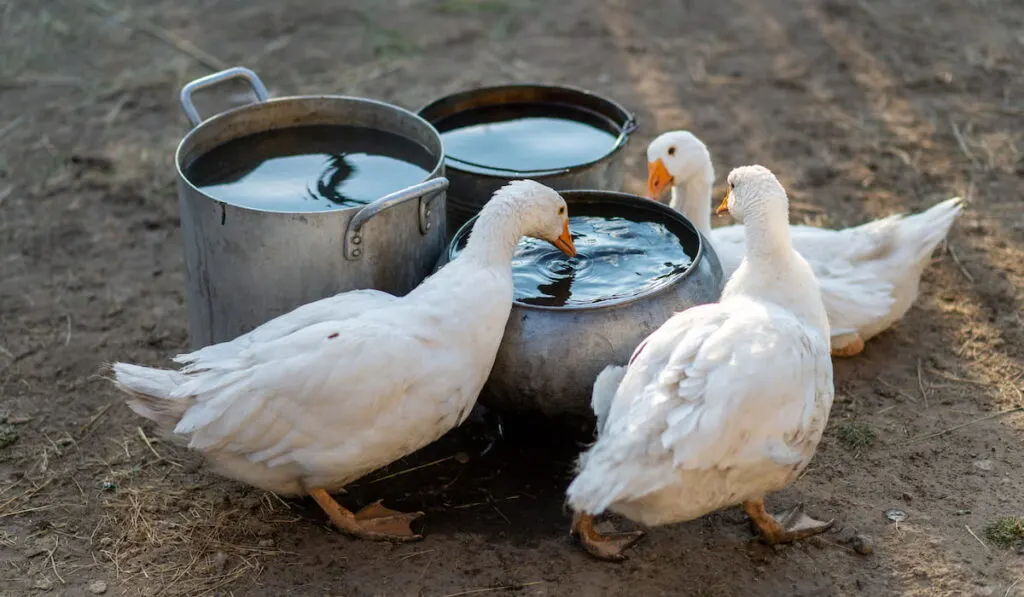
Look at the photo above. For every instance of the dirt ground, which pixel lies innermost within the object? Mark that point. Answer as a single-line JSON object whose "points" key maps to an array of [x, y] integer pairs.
{"points": [[863, 107]]}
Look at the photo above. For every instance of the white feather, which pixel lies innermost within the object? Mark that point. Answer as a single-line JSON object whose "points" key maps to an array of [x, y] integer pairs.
{"points": [[724, 402], [337, 388], [868, 274]]}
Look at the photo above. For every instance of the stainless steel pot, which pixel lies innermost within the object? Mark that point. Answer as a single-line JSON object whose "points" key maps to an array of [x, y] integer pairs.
{"points": [[473, 185], [550, 356], [245, 266]]}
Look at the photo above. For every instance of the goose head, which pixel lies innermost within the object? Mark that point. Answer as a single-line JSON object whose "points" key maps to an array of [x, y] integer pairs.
{"points": [[675, 159], [754, 193], [528, 208]]}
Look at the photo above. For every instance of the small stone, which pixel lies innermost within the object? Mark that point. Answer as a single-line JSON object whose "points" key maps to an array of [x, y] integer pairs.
{"points": [[7, 435], [18, 420], [218, 560], [97, 587], [43, 584], [983, 465], [266, 543], [863, 544], [985, 591], [461, 457], [907, 497], [896, 515], [962, 512], [105, 541]]}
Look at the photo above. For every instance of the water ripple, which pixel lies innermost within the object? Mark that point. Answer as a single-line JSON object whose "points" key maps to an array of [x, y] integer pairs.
{"points": [[616, 258]]}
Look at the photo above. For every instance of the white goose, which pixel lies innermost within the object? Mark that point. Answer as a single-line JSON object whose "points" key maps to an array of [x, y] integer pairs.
{"points": [[333, 390], [869, 274], [725, 402]]}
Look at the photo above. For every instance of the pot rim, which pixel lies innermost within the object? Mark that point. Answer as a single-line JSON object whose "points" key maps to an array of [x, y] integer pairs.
{"points": [[219, 117], [627, 127], [616, 303]]}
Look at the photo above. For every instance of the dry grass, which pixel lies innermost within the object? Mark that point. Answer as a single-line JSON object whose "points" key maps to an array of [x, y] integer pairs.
{"points": [[188, 543], [157, 531]]}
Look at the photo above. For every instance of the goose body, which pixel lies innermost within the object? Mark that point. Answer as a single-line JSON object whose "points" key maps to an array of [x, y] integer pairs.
{"points": [[335, 389], [869, 274], [725, 402]]}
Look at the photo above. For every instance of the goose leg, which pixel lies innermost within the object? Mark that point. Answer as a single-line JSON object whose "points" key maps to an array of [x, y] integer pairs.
{"points": [[785, 527], [603, 547], [374, 522], [850, 349]]}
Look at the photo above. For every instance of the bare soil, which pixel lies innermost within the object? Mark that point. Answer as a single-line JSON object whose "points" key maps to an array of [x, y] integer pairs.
{"points": [[864, 107]]}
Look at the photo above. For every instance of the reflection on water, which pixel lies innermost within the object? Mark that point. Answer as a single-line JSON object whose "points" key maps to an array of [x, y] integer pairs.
{"points": [[310, 168]]}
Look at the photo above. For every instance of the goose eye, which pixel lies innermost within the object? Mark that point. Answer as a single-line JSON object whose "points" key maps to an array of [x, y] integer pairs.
{"points": [[561, 210], [732, 185], [672, 150]]}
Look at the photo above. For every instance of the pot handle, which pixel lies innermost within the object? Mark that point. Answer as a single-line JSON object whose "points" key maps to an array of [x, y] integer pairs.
{"points": [[237, 72], [628, 128], [425, 191]]}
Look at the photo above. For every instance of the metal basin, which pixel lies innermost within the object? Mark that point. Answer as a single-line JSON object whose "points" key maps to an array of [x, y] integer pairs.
{"points": [[550, 356], [472, 186], [245, 266]]}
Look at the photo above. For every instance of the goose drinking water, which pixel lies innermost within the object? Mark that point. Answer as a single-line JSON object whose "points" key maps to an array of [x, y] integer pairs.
{"points": [[335, 389]]}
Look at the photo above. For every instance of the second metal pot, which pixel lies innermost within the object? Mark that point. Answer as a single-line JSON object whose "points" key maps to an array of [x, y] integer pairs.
{"points": [[550, 356], [472, 187]]}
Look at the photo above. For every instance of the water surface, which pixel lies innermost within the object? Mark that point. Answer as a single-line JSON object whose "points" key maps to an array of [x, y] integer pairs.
{"points": [[310, 168], [618, 257], [526, 137]]}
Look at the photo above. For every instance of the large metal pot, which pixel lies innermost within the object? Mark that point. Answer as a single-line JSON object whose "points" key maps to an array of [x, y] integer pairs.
{"points": [[245, 266], [550, 356], [472, 185]]}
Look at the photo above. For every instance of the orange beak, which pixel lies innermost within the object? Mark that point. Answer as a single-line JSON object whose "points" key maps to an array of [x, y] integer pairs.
{"points": [[724, 207], [564, 242], [658, 179]]}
